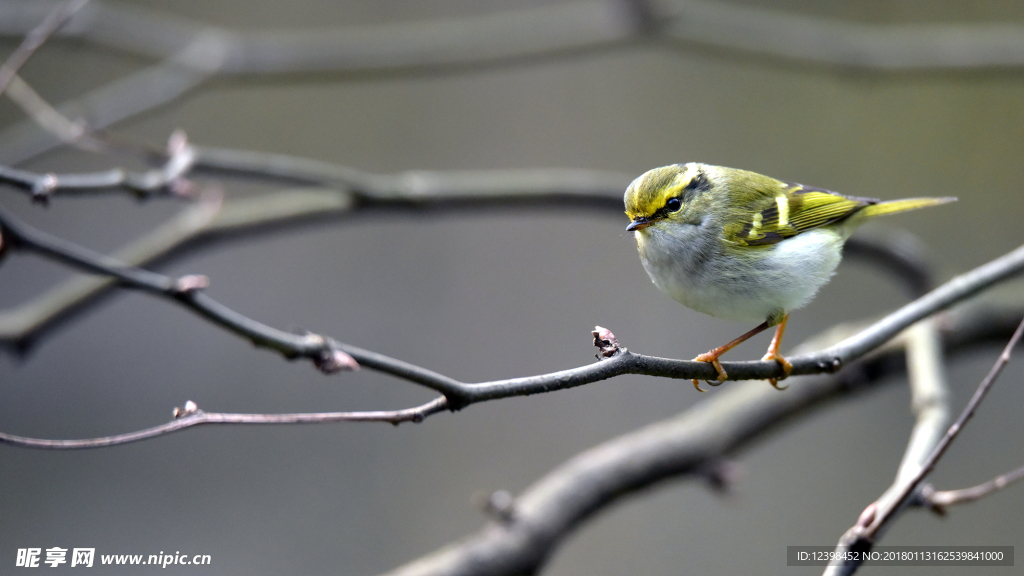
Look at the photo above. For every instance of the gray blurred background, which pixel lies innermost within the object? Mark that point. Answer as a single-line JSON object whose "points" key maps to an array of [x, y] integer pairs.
{"points": [[500, 295]]}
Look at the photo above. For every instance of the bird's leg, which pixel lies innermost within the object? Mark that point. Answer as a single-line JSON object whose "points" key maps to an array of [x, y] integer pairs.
{"points": [[773, 354], [712, 355]]}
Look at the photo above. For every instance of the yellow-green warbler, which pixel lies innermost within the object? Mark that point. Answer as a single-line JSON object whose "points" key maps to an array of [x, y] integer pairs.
{"points": [[739, 245]]}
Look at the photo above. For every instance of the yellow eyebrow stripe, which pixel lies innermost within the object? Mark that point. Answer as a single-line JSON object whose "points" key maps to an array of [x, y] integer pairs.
{"points": [[783, 203]]}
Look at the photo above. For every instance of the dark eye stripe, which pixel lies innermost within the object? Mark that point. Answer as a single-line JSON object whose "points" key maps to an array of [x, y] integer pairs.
{"points": [[673, 204], [699, 183]]}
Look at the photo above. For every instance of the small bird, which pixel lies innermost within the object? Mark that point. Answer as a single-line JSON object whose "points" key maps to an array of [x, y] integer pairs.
{"points": [[742, 246]]}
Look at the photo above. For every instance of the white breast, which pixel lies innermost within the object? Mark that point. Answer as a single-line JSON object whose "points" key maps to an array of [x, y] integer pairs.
{"points": [[693, 269]]}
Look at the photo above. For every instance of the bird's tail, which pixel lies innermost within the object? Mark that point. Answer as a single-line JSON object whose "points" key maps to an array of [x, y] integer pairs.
{"points": [[894, 206]]}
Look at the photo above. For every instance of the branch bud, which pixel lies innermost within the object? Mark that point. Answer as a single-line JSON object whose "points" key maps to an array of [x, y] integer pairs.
{"points": [[189, 408], [333, 361], [606, 343], [191, 283]]}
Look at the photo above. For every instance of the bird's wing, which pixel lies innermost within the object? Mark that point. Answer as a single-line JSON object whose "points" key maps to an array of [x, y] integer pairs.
{"points": [[789, 210]]}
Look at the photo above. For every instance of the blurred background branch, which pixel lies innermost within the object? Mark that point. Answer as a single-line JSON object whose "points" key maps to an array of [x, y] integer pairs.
{"points": [[194, 52]]}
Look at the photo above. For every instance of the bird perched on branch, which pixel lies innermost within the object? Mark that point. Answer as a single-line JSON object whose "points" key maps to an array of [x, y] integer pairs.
{"points": [[739, 245]]}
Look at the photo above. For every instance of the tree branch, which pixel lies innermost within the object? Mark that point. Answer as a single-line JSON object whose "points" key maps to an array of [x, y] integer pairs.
{"points": [[193, 52], [528, 32], [929, 395], [527, 187], [939, 500], [533, 525], [353, 191], [330, 355], [191, 415], [34, 38], [831, 359], [833, 42], [167, 179], [862, 536]]}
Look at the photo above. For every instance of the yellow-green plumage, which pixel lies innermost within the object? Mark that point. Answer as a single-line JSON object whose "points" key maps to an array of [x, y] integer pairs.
{"points": [[740, 245]]}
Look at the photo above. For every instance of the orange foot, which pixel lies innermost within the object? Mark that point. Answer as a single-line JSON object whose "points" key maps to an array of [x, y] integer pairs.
{"points": [[713, 358], [786, 368]]}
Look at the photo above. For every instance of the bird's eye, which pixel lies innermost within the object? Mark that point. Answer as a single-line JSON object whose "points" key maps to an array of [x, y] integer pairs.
{"points": [[674, 204]]}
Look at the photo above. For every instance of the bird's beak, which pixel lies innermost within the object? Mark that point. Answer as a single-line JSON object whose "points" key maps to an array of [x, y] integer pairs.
{"points": [[639, 223]]}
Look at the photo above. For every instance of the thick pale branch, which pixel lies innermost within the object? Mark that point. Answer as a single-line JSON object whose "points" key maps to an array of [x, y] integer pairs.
{"points": [[929, 396]]}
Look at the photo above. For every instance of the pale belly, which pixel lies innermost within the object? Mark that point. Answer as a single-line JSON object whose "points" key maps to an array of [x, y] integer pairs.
{"points": [[783, 277]]}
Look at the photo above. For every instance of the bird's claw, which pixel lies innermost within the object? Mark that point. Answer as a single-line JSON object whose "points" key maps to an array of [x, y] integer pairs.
{"points": [[713, 359], [787, 368]]}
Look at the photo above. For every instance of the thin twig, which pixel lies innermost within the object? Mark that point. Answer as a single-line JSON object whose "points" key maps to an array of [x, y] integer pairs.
{"points": [[877, 516], [57, 17], [354, 191], [28, 99], [409, 188], [167, 179], [957, 426], [938, 500], [192, 416]]}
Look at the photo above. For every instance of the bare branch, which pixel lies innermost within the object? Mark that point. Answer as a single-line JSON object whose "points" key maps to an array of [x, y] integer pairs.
{"points": [[192, 416], [459, 394], [938, 500], [929, 400], [192, 52], [533, 525], [552, 29], [356, 191], [862, 535], [965, 327], [168, 179], [57, 17], [968, 412], [20, 326], [549, 186], [833, 42], [352, 190], [326, 352]]}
